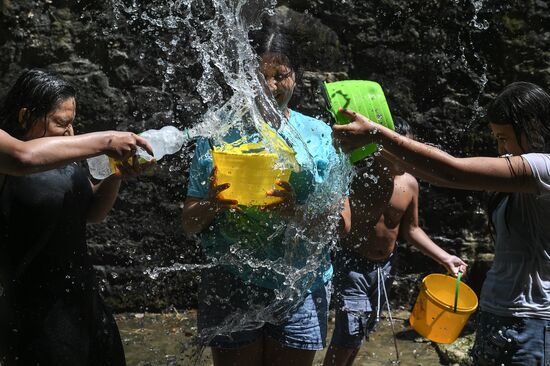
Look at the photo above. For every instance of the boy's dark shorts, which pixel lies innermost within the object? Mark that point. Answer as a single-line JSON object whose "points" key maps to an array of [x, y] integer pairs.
{"points": [[356, 291]]}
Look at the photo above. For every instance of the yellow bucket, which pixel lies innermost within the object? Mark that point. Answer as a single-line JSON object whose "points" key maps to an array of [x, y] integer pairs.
{"points": [[251, 171], [442, 308]]}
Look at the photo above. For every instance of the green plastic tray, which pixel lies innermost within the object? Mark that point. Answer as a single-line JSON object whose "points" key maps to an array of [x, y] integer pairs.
{"points": [[361, 96]]}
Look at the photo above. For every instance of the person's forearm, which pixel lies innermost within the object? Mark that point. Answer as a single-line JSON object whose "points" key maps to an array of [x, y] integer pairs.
{"points": [[422, 242], [198, 215], [425, 161], [105, 195], [24, 157], [439, 168], [431, 176]]}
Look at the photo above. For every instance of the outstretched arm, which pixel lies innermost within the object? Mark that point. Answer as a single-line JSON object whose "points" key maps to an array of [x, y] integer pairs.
{"points": [[25, 157], [511, 174], [414, 235]]}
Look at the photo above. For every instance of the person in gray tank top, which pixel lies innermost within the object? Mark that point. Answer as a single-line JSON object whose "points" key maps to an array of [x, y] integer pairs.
{"points": [[514, 321]]}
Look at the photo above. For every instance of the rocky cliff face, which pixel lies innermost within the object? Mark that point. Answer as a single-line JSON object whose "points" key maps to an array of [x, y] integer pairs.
{"points": [[439, 62]]}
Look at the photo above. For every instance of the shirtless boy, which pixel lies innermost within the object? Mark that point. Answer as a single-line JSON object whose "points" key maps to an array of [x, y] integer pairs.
{"points": [[384, 203]]}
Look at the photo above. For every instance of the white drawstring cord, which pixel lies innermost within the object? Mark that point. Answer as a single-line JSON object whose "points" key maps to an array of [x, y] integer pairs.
{"points": [[382, 287], [378, 279]]}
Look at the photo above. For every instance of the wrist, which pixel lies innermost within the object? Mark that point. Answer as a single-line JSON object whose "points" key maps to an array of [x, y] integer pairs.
{"points": [[115, 178], [442, 259], [211, 207], [108, 140], [380, 134]]}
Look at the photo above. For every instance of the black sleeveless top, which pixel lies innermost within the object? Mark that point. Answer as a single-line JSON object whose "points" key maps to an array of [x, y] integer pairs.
{"points": [[50, 300]]}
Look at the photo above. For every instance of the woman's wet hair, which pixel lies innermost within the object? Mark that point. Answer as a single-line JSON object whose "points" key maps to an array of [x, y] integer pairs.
{"points": [[526, 107], [40, 92]]}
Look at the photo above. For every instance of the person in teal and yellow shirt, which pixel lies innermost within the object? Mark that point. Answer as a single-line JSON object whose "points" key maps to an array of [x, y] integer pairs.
{"points": [[264, 300]]}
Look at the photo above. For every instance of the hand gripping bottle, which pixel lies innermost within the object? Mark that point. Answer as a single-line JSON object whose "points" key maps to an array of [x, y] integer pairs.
{"points": [[167, 140]]}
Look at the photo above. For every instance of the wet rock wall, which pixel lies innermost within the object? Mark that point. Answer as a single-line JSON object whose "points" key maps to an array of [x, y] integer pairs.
{"points": [[439, 62]]}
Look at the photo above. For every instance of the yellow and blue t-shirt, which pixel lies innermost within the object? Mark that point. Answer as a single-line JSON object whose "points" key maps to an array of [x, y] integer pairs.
{"points": [[253, 244]]}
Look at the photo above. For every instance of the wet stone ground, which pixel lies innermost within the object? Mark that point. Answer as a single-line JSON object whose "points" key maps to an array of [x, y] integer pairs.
{"points": [[167, 340]]}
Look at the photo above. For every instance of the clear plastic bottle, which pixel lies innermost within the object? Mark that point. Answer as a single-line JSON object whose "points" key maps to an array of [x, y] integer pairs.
{"points": [[167, 140]]}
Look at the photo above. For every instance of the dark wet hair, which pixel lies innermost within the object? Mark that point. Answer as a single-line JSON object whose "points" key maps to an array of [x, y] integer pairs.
{"points": [[276, 58], [526, 107], [40, 92], [402, 127], [281, 50]]}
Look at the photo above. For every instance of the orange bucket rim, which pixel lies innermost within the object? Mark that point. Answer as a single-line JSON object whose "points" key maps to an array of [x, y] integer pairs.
{"points": [[463, 310]]}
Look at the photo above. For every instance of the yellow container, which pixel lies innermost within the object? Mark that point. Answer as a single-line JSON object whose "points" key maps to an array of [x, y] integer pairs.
{"points": [[434, 315], [251, 171], [113, 163]]}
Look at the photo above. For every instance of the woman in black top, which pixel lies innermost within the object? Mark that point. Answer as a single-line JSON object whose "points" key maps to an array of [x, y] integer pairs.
{"points": [[50, 309]]}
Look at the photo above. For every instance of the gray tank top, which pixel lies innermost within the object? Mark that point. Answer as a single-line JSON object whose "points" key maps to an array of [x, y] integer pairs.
{"points": [[518, 283]]}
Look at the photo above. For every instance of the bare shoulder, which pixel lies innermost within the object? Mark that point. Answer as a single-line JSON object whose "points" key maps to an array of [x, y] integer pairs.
{"points": [[408, 182], [5, 138]]}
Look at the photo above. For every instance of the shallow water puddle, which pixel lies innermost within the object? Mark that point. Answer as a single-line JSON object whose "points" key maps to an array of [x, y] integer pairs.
{"points": [[167, 340]]}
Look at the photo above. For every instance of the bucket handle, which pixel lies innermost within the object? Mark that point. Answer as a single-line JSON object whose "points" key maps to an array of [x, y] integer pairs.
{"points": [[458, 275]]}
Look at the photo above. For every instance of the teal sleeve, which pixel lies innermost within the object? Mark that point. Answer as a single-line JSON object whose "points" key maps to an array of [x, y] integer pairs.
{"points": [[325, 156], [200, 170]]}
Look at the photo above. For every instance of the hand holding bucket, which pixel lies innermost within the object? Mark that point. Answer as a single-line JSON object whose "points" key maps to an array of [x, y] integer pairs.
{"points": [[287, 204], [215, 193], [362, 96], [442, 308], [251, 172]]}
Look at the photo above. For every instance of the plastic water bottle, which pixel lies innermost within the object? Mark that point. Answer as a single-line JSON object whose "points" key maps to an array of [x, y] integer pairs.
{"points": [[167, 140]]}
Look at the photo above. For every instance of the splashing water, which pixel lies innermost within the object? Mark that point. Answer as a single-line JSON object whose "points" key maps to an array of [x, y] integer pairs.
{"points": [[480, 25], [237, 98], [480, 77], [155, 272]]}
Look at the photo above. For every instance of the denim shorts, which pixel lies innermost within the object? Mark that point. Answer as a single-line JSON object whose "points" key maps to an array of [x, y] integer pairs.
{"points": [[232, 314], [356, 288], [511, 341]]}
